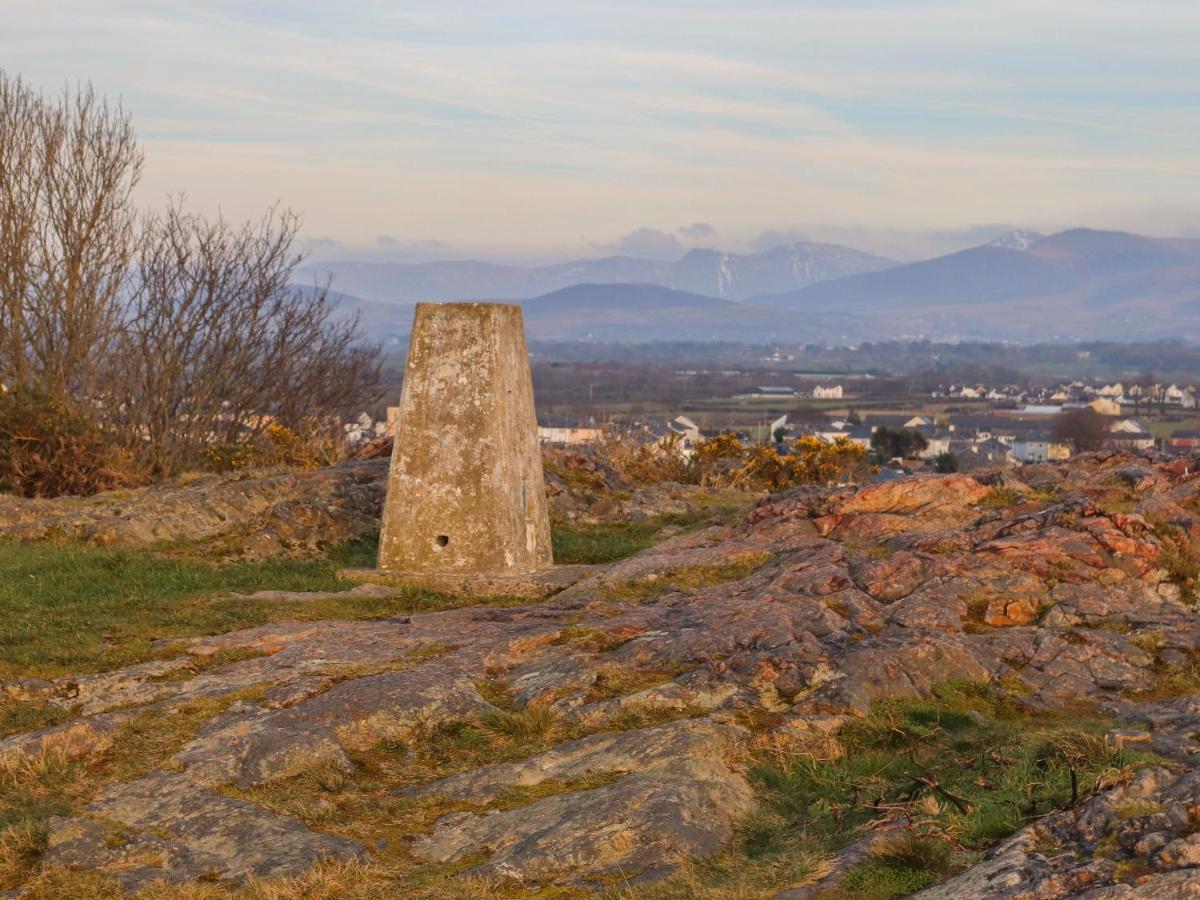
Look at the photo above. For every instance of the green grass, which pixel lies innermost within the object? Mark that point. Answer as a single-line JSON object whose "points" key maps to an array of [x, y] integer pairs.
{"points": [[605, 542], [68, 608], [968, 763]]}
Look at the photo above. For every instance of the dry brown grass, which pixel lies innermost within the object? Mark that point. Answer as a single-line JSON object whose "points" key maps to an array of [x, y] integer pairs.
{"points": [[687, 578]]}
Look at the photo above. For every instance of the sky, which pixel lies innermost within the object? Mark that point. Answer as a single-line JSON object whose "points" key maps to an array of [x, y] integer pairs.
{"points": [[542, 129]]}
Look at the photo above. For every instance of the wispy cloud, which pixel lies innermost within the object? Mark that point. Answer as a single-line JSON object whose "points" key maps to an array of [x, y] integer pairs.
{"points": [[551, 126]]}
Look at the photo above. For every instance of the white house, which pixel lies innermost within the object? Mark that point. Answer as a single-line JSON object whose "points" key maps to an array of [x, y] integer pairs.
{"points": [[568, 435], [688, 431], [1039, 450], [1177, 396], [1105, 406], [856, 434], [833, 392]]}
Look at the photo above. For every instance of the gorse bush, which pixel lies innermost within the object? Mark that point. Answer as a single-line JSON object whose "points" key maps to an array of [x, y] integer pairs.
{"points": [[277, 446], [646, 462], [724, 462], [48, 448]]}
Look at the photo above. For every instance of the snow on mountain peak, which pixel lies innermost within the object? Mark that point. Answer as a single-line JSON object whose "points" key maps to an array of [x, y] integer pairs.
{"points": [[1017, 240]]}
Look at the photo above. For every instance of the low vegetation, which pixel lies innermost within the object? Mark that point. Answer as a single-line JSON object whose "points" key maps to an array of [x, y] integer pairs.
{"points": [[724, 462], [949, 776], [605, 542], [687, 578], [71, 609], [52, 785]]}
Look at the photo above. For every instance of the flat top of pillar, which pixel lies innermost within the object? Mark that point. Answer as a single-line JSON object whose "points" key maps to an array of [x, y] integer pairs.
{"points": [[465, 305]]}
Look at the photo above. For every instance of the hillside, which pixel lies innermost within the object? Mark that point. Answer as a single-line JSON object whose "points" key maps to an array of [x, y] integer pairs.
{"points": [[975, 687], [728, 275], [635, 313], [1077, 284]]}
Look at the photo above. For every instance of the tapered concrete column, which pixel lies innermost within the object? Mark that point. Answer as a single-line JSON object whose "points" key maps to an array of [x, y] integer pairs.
{"points": [[465, 492]]}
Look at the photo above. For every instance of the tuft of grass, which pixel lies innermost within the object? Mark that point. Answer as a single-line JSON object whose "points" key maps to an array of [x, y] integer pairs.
{"points": [[534, 724], [18, 717], [636, 716], [1183, 569], [999, 497], [877, 880], [1170, 681], [594, 640]]}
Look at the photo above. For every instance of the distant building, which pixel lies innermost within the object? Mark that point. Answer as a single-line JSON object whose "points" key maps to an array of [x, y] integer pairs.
{"points": [[1131, 440], [893, 420], [856, 434], [833, 392], [567, 432], [1039, 450], [687, 431], [568, 436], [937, 441], [1127, 425], [1185, 441], [1105, 406], [1177, 396], [980, 454], [767, 392]]}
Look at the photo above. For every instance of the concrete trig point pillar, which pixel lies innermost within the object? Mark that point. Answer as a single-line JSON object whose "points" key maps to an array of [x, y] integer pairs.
{"points": [[466, 501]]}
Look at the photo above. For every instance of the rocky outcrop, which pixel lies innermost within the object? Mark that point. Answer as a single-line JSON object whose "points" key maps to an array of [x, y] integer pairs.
{"points": [[259, 514], [663, 675], [175, 831], [253, 515]]}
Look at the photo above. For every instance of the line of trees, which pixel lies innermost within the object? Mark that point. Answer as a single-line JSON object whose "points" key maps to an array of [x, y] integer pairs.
{"points": [[171, 331]]}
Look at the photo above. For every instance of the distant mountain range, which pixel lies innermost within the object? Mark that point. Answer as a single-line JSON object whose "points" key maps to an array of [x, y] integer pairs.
{"points": [[731, 276], [1080, 284], [634, 313], [1075, 285]]}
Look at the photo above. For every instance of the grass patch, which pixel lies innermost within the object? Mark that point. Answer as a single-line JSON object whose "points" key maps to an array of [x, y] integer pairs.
{"points": [[68, 608], [605, 542], [999, 497], [17, 717], [686, 578], [370, 804], [1170, 681], [613, 682], [73, 609], [1181, 562], [968, 763]]}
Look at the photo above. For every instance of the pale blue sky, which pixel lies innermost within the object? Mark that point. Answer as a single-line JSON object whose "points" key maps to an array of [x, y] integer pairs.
{"points": [[518, 129]]}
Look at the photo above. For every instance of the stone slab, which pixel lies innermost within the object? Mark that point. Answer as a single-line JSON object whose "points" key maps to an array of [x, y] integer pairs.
{"points": [[533, 585]]}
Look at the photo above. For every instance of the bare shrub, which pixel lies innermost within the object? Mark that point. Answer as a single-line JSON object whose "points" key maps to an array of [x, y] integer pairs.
{"points": [[1083, 429], [171, 334], [219, 345], [67, 235]]}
